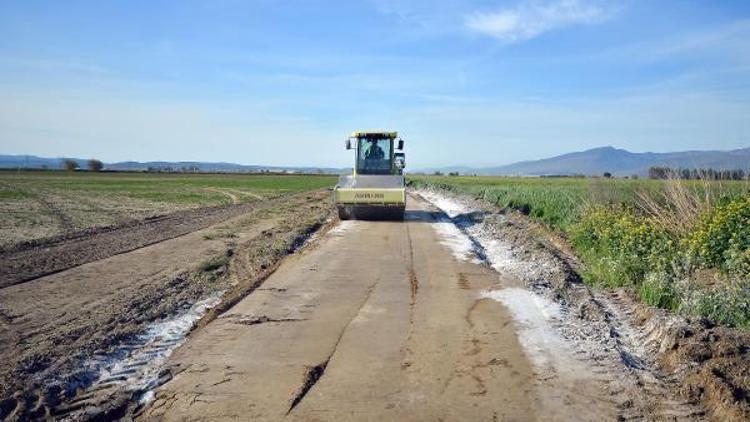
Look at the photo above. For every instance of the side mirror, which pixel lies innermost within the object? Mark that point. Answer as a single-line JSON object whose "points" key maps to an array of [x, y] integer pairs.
{"points": [[401, 144], [348, 144]]}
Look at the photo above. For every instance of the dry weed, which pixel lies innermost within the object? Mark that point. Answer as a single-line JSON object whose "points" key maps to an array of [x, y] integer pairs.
{"points": [[678, 206]]}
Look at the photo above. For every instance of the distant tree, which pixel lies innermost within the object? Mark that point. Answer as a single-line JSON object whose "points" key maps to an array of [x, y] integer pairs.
{"points": [[453, 173], [634, 176], [438, 173], [659, 172], [697, 174], [70, 165], [189, 169], [95, 165], [607, 175]]}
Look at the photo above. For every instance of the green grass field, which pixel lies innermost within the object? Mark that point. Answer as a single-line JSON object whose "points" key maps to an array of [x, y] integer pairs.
{"points": [[47, 203], [558, 202], [678, 248]]}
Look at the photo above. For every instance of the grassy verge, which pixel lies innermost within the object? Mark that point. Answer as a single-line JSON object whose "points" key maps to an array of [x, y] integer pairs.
{"points": [[557, 202], [682, 246]]}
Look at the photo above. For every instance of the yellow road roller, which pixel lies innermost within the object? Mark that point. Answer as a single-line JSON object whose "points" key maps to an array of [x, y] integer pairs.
{"points": [[375, 189]]}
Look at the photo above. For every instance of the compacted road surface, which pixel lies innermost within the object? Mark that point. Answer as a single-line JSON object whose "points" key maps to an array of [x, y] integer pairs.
{"points": [[379, 321]]}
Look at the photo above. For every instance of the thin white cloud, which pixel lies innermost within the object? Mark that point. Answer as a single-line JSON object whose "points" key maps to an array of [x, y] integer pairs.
{"points": [[424, 16], [531, 18], [727, 41]]}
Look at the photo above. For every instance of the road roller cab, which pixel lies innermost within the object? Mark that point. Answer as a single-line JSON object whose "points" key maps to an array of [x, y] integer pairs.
{"points": [[376, 188]]}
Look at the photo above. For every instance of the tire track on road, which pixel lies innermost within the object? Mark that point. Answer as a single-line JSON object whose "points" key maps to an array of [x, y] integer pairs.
{"points": [[413, 281], [316, 372]]}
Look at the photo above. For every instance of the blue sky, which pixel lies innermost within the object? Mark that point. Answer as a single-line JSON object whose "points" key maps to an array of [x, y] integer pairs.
{"points": [[283, 82]]}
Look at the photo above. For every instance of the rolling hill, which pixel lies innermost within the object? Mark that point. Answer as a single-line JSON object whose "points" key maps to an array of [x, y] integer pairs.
{"points": [[592, 162], [619, 162]]}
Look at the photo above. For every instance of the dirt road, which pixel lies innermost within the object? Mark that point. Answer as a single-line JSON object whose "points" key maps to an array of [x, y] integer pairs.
{"points": [[382, 321]]}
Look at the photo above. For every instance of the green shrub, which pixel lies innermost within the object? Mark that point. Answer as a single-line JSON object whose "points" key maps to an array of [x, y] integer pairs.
{"points": [[620, 248], [727, 305], [721, 239], [659, 289], [738, 260]]}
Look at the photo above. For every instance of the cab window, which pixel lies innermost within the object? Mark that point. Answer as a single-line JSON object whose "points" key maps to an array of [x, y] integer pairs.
{"points": [[374, 156]]}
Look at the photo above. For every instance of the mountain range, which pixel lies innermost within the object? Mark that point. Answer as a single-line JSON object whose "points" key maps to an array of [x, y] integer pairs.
{"points": [[592, 162], [618, 162]]}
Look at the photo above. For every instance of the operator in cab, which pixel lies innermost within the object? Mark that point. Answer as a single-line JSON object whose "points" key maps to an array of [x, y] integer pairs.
{"points": [[374, 152]]}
